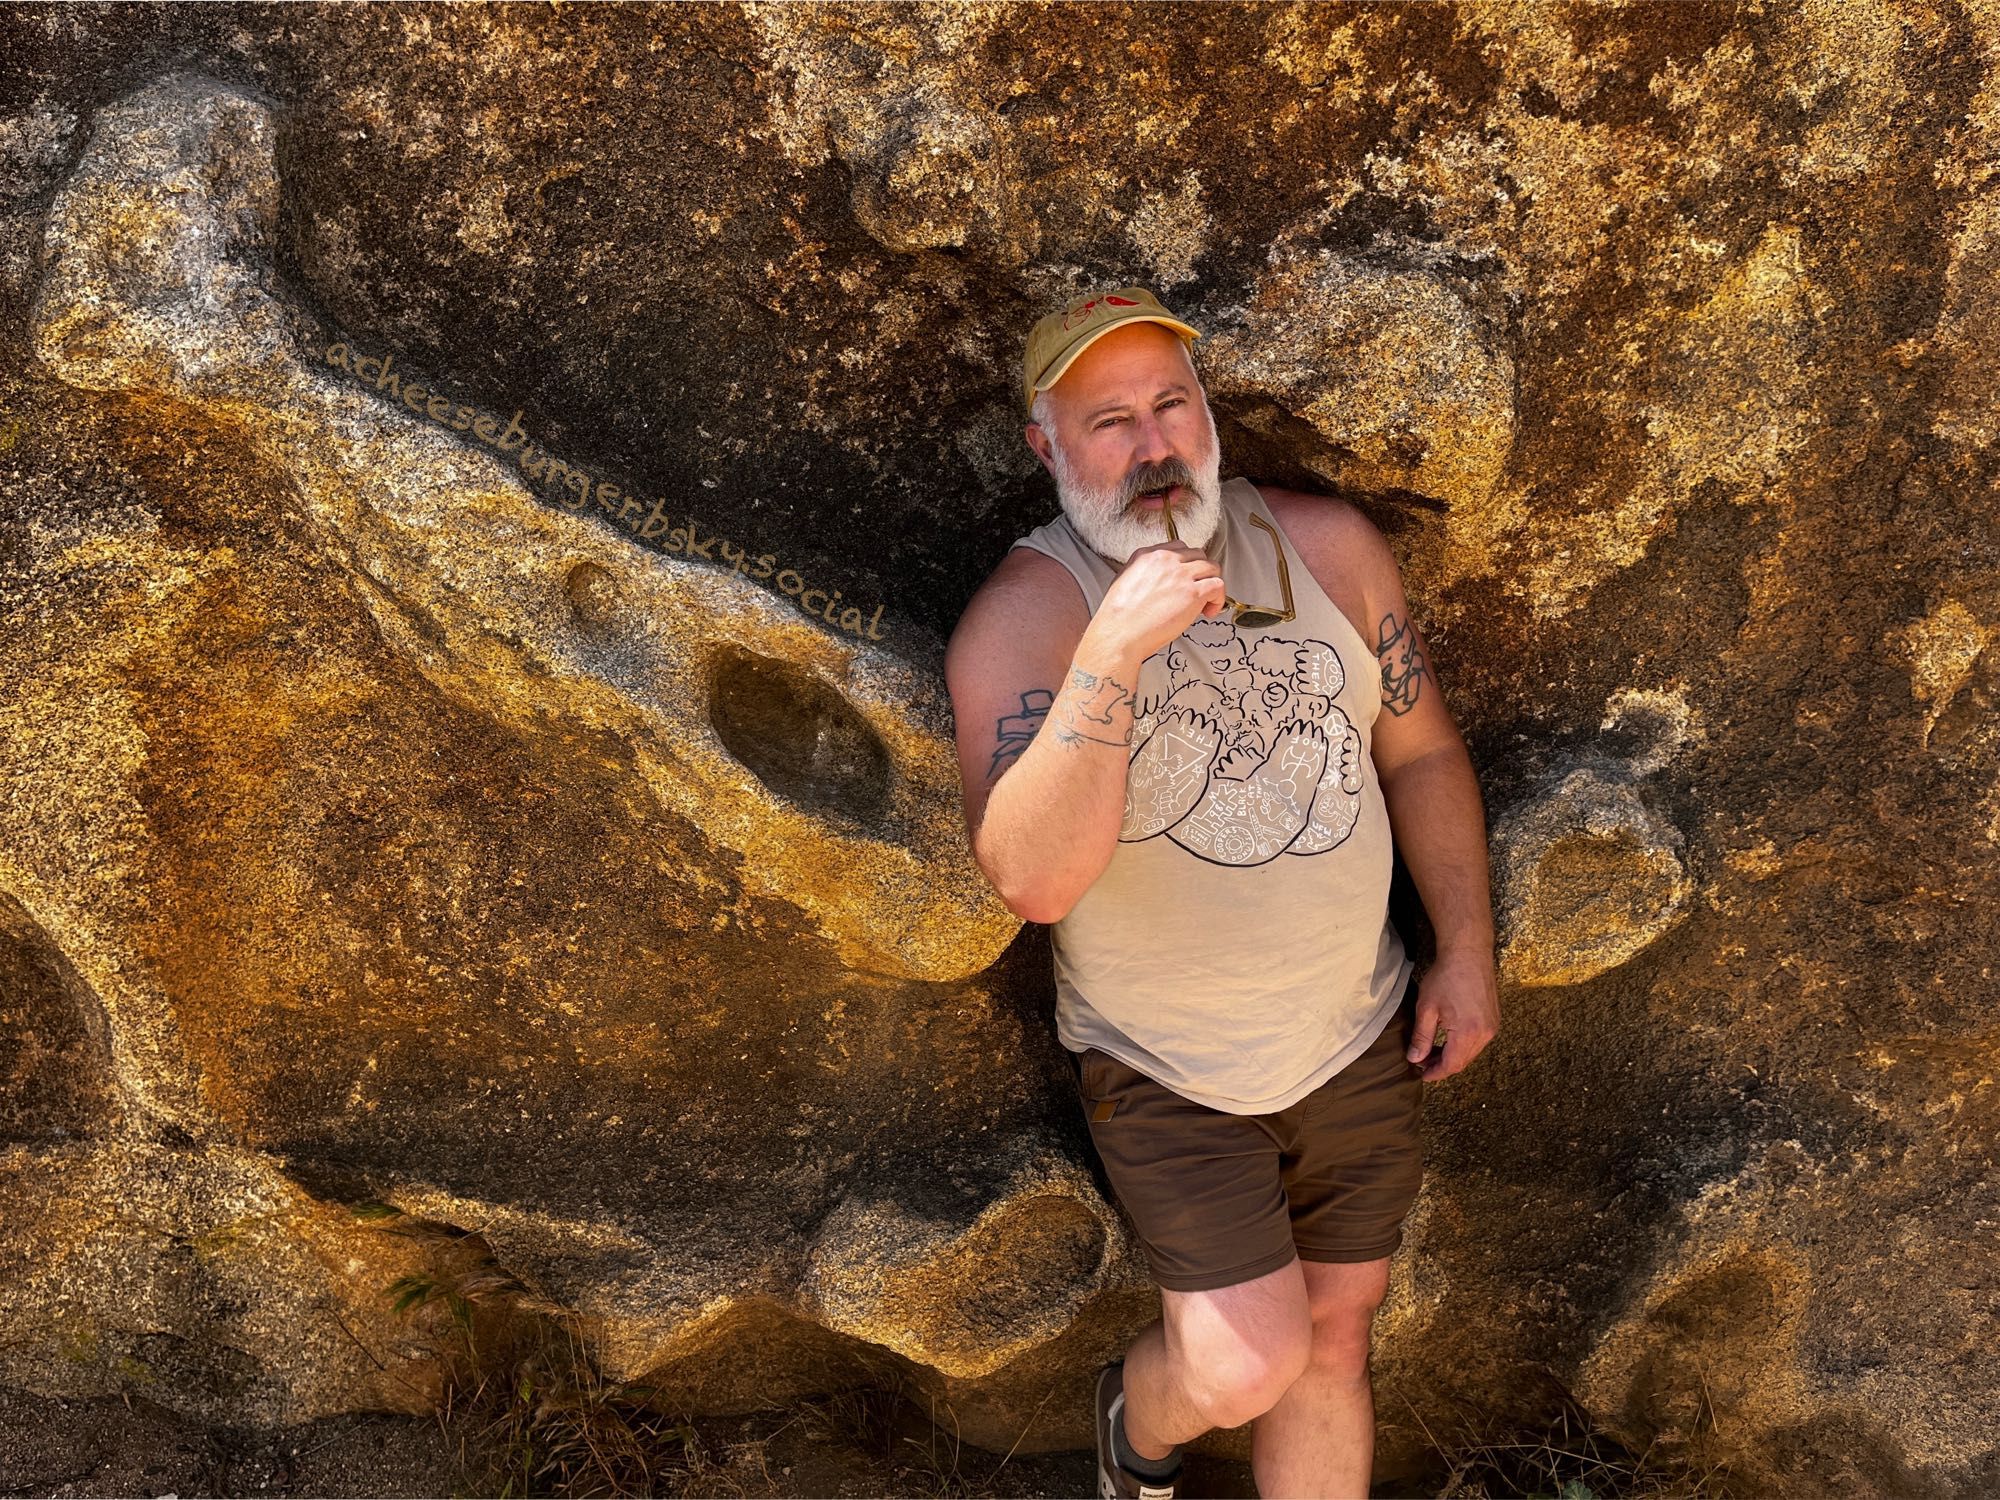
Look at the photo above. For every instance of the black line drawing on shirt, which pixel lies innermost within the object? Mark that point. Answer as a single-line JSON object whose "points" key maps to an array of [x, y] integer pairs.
{"points": [[1246, 756]]}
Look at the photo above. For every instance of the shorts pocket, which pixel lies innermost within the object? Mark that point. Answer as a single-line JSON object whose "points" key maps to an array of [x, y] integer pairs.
{"points": [[1102, 1079]]}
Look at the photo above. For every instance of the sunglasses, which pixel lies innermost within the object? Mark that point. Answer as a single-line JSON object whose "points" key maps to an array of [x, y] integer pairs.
{"points": [[1252, 615]]}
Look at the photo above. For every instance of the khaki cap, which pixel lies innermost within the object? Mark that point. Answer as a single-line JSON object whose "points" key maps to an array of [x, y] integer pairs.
{"points": [[1061, 336]]}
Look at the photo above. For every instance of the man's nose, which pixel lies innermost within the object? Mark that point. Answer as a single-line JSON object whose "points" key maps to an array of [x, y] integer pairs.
{"points": [[1151, 444]]}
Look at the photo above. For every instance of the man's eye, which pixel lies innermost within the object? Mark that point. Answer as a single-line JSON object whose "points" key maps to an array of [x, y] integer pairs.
{"points": [[1109, 420]]}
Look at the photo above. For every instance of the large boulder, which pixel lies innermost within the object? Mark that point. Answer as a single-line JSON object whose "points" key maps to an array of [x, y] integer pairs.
{"points": [[482, 495]]}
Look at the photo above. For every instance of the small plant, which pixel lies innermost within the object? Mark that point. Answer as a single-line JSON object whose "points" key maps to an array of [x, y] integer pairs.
{"points": [[532, 1412], [550, 1424], [884, 1418]]}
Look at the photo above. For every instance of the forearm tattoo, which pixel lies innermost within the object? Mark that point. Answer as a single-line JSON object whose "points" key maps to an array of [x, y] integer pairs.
{"points": [[1401, 654], [1084, 714], [1089, 706]]}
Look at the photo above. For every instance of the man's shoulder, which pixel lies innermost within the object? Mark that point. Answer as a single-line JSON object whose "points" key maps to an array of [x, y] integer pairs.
{"points": [[1028, 570], [1325, 521], [1026, 583], [1346, 551], [1301, 512]]}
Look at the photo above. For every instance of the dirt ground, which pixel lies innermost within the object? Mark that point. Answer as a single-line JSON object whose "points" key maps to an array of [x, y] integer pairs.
{"points": [[113, 1446]]}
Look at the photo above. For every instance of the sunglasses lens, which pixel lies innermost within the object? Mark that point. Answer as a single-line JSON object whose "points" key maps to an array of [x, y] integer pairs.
{"points": [[1255, 617]]}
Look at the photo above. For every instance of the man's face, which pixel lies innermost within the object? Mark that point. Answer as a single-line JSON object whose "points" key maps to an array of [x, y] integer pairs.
{"points": [[1128, 418]]}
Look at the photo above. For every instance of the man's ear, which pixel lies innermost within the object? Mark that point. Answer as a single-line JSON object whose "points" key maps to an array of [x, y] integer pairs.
{"points": [[1039, 441]]}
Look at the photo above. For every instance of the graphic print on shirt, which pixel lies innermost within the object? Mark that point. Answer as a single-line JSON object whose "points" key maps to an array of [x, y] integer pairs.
{"points": [[1245, 756]]}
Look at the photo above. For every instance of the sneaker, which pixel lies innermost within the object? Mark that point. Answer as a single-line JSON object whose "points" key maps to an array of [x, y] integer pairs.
{"points": [[1114, 1480]]}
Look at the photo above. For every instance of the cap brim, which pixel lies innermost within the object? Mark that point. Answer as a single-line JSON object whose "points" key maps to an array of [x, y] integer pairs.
{"points": [[1055, 371]]}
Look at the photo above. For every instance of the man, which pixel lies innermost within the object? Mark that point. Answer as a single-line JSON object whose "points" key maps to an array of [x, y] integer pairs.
{"points": [[1176, 751]]}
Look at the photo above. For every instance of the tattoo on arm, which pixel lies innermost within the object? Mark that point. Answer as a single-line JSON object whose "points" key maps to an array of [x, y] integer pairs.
{"points": [[1088, 707], [1017, 731], [1402, 658], [1084, 715]]}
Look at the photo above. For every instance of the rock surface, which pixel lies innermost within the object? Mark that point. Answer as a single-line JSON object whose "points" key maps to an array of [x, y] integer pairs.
{"points": [[488, 820]]}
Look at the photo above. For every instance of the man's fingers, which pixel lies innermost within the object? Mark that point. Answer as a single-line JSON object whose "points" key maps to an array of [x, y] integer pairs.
{"points": [[1447, 1062], [1424, 1030], [1459, 1051]]}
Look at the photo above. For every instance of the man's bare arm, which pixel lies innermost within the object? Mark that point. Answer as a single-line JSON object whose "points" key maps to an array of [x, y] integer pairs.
{"points": [[1432, 794], [1399, 651], [1043, 765], [1428, 782], [1087, 719], [1439, 824]]}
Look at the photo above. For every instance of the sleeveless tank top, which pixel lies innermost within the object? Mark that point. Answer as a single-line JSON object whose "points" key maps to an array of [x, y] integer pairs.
{"points": [[1238, 947]]}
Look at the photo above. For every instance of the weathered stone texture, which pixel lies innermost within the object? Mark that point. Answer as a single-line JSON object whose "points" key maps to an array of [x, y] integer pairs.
{"points": [[467, 817]]}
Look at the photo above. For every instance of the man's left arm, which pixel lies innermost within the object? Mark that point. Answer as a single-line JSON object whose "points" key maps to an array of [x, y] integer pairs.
{"points": [[1435, 815]]}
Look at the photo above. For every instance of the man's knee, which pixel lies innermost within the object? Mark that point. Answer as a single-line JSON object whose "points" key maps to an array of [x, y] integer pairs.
{"points": [[1232, 1375], [1248, 1381], [1343, 1298]]}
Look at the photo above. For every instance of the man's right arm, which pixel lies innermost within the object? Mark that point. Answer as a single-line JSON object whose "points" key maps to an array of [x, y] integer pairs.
{"points": [[1043, 709]]}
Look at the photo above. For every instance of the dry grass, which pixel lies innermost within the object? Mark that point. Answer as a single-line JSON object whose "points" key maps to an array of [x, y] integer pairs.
{"points": [[1564, 1458], [529, 1409], [532, 1416]]}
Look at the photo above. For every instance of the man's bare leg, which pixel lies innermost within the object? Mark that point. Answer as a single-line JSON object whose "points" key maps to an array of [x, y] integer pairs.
{"points": [[1153, 1387], [1318, 1442], [1214, 1359]]}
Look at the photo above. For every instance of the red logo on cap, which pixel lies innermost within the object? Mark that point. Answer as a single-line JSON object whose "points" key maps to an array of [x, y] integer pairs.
{"points": [[1082, 314]]}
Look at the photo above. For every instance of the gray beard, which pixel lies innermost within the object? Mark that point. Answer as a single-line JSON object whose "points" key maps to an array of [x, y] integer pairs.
{"points": [[1101, 519]]}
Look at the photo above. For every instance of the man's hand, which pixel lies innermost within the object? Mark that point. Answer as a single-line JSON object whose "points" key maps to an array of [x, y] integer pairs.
{"points": [[1163, 588], [1459, 995]]}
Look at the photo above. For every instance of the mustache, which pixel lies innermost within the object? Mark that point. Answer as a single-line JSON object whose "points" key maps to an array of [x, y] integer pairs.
{"points": [[1158, 477]]}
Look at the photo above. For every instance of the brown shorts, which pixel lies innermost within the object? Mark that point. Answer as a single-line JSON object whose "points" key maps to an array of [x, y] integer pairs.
{"points": [[1218, 1198]]}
